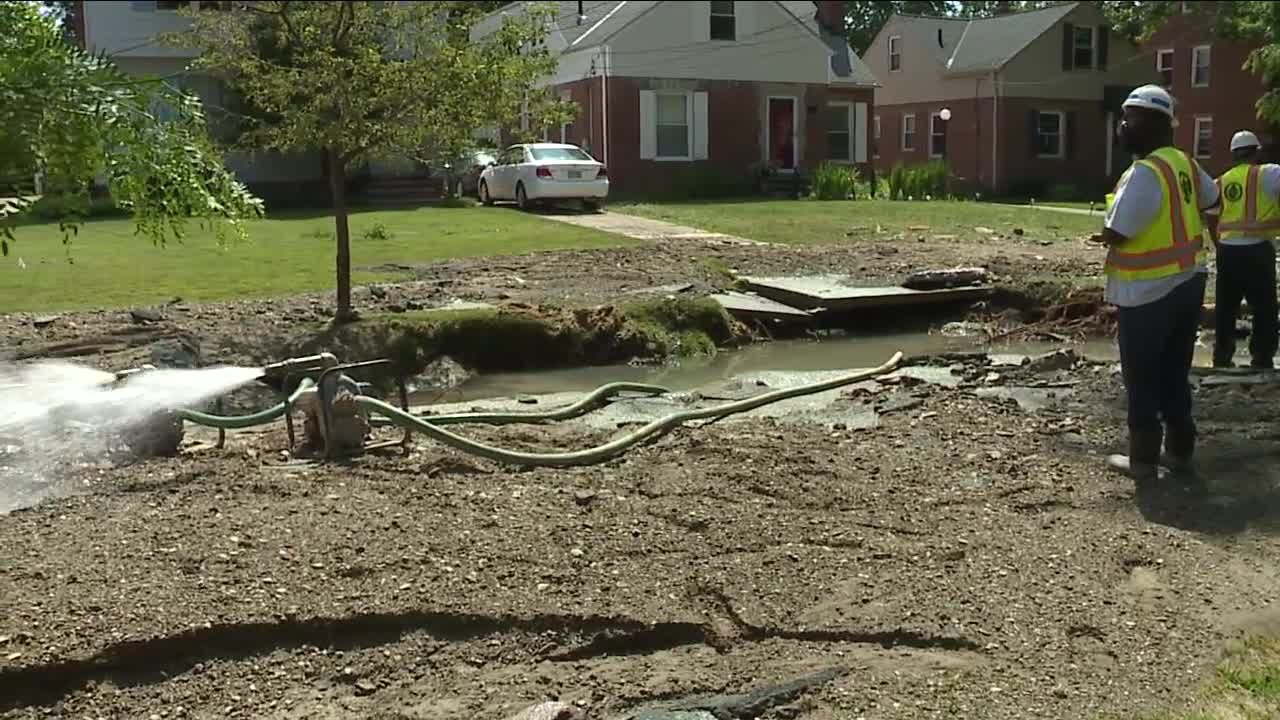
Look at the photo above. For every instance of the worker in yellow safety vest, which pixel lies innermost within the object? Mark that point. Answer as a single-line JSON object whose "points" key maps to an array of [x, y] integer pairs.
{"points": [[1156, 269], [1246, 263]]}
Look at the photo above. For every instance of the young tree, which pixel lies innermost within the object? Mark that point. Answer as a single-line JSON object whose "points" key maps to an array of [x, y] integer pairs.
{"points": [[72, 117], [357, 80]]}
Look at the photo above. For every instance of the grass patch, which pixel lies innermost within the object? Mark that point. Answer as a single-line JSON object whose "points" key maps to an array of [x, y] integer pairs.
{"points": [[109, 266], [532, 338], [803, 223], [1246, 685]]}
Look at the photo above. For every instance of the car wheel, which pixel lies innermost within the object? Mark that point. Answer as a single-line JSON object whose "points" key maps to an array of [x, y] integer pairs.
{"points": [[522, 199], [591, 205], [485, 197]]}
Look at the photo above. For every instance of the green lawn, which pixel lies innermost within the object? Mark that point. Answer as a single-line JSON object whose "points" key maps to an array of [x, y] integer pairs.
{"points": [[802, 222], [1246, 685], [109, 266]]}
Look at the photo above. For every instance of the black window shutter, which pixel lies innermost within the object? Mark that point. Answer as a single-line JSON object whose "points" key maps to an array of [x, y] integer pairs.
{"points": [[1104, 36], [1033, 128], [1068, 44], [1069, 135]]}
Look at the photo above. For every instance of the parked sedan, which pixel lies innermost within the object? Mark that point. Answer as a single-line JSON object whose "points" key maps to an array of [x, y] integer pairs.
{"points": [[465, 171], [545, 172]]}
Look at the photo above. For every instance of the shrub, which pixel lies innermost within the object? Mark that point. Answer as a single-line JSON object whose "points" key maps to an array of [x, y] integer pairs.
{"points": [[898, 182], [931, 180], [378, 232], [1063, 192], [835, 182]]}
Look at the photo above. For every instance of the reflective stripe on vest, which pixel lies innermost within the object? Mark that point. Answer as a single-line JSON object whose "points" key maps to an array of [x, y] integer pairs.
{"points": [[1184, 250], [1237, 224]]}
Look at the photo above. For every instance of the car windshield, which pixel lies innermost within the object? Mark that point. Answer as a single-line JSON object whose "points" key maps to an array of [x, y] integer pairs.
{"points": [[484, 157], [558, 153]]}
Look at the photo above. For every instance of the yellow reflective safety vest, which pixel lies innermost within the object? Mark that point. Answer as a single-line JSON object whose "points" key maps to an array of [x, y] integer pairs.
{"points": [[1246, 209], [1174, 241]]}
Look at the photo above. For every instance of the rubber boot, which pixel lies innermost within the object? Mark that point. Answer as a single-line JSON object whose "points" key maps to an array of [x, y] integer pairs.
{"points": [[1179, 447], [1142, 462]]}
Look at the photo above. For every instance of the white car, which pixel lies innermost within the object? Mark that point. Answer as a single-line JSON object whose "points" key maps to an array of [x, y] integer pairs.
{"points": [[541, 172]]}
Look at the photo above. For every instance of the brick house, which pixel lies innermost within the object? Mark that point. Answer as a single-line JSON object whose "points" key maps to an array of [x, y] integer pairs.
{"points": [[677, 93], [1216, 97], [1034, 98]]}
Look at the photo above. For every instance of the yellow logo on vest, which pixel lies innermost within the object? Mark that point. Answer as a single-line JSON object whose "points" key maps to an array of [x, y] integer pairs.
{"points": [[1184, 182], [1233, 191]]}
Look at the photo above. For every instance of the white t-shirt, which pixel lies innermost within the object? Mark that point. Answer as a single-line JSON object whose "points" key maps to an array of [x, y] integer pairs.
{"points": [[1137, 203], [1269, 176]]}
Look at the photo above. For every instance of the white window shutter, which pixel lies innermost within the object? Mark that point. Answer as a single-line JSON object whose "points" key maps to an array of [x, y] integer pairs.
{"points": [[648, 125], [700, 126], [860, 132]]}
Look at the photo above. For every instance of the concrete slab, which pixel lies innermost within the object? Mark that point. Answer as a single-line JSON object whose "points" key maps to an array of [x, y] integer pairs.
{"points": [[838, 293], [748, 305], [641, 228]]}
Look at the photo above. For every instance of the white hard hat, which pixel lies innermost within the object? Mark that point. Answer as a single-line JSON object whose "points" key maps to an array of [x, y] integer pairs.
{"points": [[1151, 97], [1244, 139]]}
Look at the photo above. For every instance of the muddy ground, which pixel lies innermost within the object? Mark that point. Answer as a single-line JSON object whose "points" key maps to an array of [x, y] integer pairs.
{"points": [[962, 557], [257, 331]]}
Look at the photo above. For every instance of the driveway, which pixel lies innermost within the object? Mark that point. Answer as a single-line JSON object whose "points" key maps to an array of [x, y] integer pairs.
{"points": [[644, 228]]}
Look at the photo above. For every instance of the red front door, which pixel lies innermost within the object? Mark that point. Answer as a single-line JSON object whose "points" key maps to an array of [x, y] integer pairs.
{"points": [[782, 133]]}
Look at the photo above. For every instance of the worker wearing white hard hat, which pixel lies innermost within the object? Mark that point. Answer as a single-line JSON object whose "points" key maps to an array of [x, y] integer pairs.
{"points": [[1156, 268], [1246, 254]]}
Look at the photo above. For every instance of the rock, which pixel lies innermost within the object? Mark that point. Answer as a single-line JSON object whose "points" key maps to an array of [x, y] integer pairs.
{"points": [[179, 352], [396, 308], [549, 711], [378, 291], [527, 400], [44, 321], [1056, 360], [984, 230], [944, 238], [443, 373], [584, 497], [946, 278], [1018, 231], [365, 687], [144, 316], [962, 329]]}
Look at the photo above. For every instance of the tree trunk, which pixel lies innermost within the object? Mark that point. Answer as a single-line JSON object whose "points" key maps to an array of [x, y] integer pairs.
{"points": [[338, 190]]}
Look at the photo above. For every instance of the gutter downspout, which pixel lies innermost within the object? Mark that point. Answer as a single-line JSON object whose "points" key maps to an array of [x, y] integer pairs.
{"points": [[604, 102], [995, 133]]}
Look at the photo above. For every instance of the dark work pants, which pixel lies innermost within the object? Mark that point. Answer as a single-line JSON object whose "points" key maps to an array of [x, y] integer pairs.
{"points": [[1157, 344], [1246, 272]]}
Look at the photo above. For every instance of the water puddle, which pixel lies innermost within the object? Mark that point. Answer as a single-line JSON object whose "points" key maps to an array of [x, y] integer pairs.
{"points": [[787, 356]]}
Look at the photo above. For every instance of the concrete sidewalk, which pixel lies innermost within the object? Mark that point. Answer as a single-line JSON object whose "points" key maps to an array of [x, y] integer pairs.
{"points": [[641, 228]]}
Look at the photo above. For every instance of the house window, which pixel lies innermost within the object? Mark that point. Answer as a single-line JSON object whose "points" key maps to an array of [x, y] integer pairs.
{"points": [[673, 126], [1082, 38], [875, 136], [1204, 137], [1049, 134], [1200, 66], [908, 133], [1164, 66], [724, 26], [895, 53], [937, 136], [839, 133]]}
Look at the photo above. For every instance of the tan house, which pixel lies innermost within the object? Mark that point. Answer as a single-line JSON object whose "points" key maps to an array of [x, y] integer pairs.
{"points": [[1034, 98]]}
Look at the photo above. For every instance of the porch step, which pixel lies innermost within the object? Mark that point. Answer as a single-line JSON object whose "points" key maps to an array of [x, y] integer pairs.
{"points": [[785, 185], [405, 190]]}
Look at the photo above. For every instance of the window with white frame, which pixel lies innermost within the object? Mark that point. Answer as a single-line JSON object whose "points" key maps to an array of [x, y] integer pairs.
{"points": [[908, 133], [1082, 46], [1204, 137], [1049, 134], [937, 135], [672, 119], [875, 136], [839, 132], [895, 52], [1164, 66], [1200, 66], [724, 24]]}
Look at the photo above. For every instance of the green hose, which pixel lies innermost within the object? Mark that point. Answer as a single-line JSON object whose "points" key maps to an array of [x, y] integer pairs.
{"points": [[598, 397], [237, 422], [611, 449]]}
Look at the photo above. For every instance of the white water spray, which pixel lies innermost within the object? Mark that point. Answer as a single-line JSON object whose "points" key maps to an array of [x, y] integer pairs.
{"points": [[59, 421]]}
